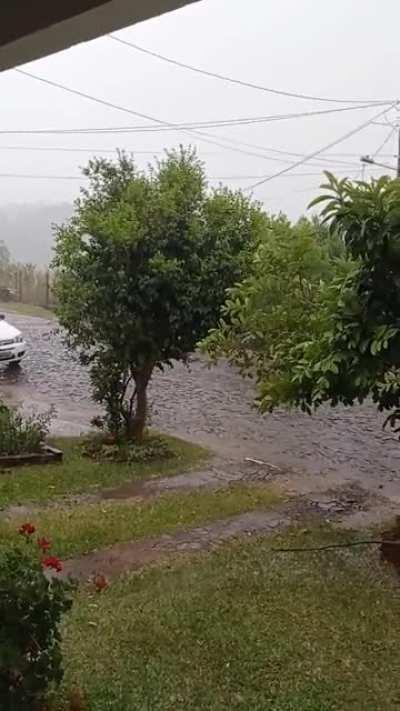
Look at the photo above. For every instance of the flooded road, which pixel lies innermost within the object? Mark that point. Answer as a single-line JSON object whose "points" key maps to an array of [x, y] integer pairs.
{"points": [[214, 406]]}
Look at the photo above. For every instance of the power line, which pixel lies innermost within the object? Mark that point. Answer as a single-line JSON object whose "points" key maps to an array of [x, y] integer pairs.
{"points": [[204, 136], [38, 176], [231, 80], [113, 151], [380, 123], [207, 138], [155, 151], [177, 126], [117, 107], [286, 175], [316, 153], [250, 120], [68, 149], [357, 155], [34, 176], [90, 97], [383, 144], [288, 153]]}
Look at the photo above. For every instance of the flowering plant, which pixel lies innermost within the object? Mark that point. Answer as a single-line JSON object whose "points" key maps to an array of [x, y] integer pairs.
{"points": [[32, 602]]}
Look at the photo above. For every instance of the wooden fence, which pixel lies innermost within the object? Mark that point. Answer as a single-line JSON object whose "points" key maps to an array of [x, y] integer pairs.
{"points": [[28, 284]]}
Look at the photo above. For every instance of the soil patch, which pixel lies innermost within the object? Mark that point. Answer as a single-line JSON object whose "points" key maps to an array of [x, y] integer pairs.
{"points": [[135, 555], [125, 557]]}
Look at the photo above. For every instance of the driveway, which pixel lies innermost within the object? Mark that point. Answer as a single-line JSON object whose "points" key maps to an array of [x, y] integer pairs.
{"points": [[214, 406]]}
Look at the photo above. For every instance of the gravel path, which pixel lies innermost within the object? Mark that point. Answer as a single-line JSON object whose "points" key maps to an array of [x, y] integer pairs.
{"points": [[215, 407]]}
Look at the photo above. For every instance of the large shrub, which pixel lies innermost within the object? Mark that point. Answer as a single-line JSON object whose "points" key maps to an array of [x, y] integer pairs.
{"points": [[22, 435]]}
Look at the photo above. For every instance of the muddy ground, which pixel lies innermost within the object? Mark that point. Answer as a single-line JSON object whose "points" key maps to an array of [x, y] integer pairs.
{"points": [[337, 447]]}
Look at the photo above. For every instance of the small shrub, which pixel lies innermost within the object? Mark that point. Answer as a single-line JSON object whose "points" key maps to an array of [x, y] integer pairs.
{"points": [[31, 608], [151, 448], [22, 435]]}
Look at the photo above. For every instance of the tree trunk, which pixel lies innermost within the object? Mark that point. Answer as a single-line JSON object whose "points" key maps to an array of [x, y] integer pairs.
{"points": [[138, 422]]}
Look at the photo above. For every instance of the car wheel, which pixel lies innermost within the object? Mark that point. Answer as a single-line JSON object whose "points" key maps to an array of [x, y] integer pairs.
{"points": [[15, 363]]}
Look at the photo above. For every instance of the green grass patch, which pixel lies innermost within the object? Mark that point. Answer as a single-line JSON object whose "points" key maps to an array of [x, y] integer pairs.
{"points": [[81, 475], [243, 628], [86, 528], [26, 310]]}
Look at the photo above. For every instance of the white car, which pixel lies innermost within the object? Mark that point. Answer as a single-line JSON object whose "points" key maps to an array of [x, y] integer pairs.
{"points": [[12, 344]]}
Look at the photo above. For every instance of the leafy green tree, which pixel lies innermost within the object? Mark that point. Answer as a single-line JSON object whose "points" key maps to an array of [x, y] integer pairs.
{"points": [[268, 316], [329, 238], [142, 271], [357, 355], [342, 343]]}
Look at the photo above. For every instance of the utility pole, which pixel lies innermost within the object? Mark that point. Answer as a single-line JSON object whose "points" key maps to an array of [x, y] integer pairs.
{"points": [[398, 156]]}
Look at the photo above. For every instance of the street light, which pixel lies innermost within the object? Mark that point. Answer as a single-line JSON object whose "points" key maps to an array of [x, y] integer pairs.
{"points": [[370, 161]]}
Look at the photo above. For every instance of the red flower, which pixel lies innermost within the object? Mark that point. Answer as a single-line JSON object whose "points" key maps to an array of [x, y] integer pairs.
{"points": [[44, 544], [27, 529], [52, 562], [100, 582]]}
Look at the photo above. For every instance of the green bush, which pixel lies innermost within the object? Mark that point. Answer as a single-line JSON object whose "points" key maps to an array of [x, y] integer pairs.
{"points": [[22, 435], [31, 606]]}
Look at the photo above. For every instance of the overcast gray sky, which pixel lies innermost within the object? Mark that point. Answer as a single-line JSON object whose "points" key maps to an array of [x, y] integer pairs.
{"points": [[345, 49]]}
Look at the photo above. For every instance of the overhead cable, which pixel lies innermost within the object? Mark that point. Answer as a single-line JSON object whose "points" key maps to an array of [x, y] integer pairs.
{"points": [[392, 130], [35, 176], [318, 152], [240, 82], [70, 149], [165, 126], [99, 151], [203, 135], [39, 176]]}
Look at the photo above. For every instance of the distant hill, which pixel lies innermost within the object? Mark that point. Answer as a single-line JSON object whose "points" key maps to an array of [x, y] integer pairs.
{"points": [[26, 229]]}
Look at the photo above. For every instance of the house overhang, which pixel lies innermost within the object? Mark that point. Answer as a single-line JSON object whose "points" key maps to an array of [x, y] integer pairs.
{"points": [[32, 29]]}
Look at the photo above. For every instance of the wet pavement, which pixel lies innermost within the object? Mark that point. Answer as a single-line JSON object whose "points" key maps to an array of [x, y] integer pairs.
{"points": [[214, 406]]}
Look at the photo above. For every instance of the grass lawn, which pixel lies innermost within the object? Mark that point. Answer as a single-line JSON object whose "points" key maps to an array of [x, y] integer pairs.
{"points": [[243, 628], [26, 310], [87, 527], [80, 475]]}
